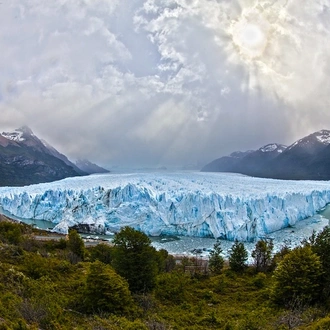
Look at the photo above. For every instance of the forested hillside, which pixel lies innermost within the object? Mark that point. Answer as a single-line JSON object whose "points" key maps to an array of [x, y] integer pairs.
{"points": [[62, 284]]}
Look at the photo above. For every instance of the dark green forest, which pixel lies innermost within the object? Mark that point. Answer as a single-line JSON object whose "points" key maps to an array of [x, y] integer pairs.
{"points": [[63, 284]]}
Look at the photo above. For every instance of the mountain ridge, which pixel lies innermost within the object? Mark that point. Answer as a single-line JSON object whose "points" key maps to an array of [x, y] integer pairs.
{"points": [[25, 159], [306, 159]]}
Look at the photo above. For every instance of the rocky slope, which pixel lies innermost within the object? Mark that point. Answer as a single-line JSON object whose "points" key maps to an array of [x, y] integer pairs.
{"points": [[25, 159]]}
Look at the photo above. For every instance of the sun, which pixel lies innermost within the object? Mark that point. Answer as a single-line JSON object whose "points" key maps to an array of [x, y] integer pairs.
{"points": [[260, 38], [249, 34]]}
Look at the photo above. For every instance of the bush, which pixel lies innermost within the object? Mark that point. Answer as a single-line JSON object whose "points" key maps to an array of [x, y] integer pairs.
{"points": [[323, 324], [101, 252], [10, 232], [106, 291], [298, 277], [171, 287], [260, 280]]}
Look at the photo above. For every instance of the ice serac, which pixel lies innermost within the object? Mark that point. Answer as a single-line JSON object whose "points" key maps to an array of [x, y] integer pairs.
{"points": [[227, 206]]}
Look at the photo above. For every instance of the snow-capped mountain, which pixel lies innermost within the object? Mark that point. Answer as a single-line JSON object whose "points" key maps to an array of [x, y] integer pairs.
{"points": [[273, 147], [228, 206], [25, 159], [249, 162], [298, 160], [307, 158]]}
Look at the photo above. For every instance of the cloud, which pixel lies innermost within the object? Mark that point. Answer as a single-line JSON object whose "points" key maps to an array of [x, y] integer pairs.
{"points": [[155, 82]]}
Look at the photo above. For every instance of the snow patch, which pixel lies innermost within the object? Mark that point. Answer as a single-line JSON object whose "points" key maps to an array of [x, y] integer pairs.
{"points": [[13, 136], [324, 137]]}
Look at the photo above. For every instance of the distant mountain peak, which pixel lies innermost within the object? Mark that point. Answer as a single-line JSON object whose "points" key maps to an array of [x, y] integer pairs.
{"points": [[271, 147], [319, 137], [19, 134], [14, 136], [89, 167], [323, 136], [25, 129], [25, 159], [305, 159]]}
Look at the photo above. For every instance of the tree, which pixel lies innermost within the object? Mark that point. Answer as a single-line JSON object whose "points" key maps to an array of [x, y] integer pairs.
{"points": [[320, 244], [106, 291], [298, 277], [262, 255], [101, 252], [238, 257], [76, 244], [278, 256], [216, 260], [135, 259]]}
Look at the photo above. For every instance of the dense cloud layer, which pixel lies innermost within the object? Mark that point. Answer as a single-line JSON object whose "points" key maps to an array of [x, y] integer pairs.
{"points": [[164, 82]]}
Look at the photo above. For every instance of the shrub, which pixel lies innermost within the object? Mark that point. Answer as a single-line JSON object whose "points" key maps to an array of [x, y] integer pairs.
{"points": [[323, 324], [106, 291], [171, 287], [101, 252], [260, 280], [10, 232], [298, 277]]}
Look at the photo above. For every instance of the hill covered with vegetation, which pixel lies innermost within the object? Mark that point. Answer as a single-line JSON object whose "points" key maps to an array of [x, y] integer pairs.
{"points": [[47, 284]]}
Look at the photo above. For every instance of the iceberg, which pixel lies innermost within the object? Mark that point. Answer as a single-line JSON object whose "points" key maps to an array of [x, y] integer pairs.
{"points": [[216, 205]]}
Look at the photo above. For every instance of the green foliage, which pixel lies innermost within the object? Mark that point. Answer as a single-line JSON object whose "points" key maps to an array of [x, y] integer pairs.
{"points": [[76, 245], [262, 255], [135, 259], [278, 257], [260, 280], [42, 303], [106, 291], [10, 232], [216, 261], [322, 324], [166, 262], [172, 287], [35, 266], [238, 257], [41, 289], [298, 277], [114, 322], [101, 252], [320, 244]]}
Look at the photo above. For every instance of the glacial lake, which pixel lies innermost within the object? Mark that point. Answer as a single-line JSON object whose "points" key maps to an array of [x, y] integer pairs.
{"points": [[192, 246]]}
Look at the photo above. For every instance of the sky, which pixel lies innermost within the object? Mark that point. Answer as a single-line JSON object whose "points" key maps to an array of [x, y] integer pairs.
{"points": [[150, 83]]}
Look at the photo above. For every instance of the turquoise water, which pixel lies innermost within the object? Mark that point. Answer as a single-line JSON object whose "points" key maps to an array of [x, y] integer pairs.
{"points": [[186, 245], [42, 224], [325, 212]]}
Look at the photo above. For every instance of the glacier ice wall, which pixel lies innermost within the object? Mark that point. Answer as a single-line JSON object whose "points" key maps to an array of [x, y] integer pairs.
{"points": [[227, 206]]}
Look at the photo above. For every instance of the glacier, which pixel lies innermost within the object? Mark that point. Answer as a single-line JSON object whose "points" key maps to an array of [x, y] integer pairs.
{"points": [[216, 205]]}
